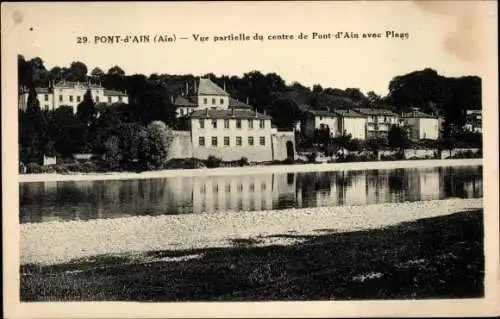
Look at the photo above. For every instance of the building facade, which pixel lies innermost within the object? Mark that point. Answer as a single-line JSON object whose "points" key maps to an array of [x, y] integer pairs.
{"points": [[378, 121], [336, 122], [227, 129], [71, 94], [473, 121], [421, 125]]}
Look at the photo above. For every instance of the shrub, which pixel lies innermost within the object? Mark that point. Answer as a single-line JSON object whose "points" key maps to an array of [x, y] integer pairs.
{"points": [[34, 168], [213, 162], [61, 169], [243, 161], [289, 161]]}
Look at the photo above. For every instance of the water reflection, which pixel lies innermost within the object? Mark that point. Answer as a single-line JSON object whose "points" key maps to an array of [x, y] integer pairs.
{"points": [[183, 195]]}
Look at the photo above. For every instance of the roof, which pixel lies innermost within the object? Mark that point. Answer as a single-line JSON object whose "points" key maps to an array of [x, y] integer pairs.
{"points": [[375, 111], [418, 114], [228, 114], [207, 87], [41, 90], [237, 104], [348, 113], [65, 83], [322, 113], [114, 93], [182, 101]]}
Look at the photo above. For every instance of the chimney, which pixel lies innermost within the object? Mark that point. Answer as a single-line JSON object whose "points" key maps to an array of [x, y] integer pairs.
{"points": [[187, 88], [256, 113], [247, 100], [224, 86]]}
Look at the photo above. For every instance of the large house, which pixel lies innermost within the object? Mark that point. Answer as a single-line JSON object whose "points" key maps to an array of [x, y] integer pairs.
{"points": [[220, 126], [71, 94], [208, 95], [379, 121], [338, 122], [421, 125]]}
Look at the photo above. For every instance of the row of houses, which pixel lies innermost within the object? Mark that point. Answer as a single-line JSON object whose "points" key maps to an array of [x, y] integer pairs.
{"points": [[367, 123], [71, 94]]}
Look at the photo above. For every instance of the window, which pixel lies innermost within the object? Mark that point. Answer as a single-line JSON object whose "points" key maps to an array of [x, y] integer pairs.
{"points": [[97, 99], [203, 189], [250, 140], [226, 141], [250, 124], [60, 98], [228, 188], [46, 107], [221, 101], [238, 140], [261, 123], [213, 101], [252, 187], [214, 123], [238, 123], [120, 98], [240, 188], [78, 98], [214, 140], [262, 140], [201, 141], [216, 188], [71, 98], [226, 123], [320, 118], [202, 123], [46, 97], [263, 186], [205, 101], [109, 99]]}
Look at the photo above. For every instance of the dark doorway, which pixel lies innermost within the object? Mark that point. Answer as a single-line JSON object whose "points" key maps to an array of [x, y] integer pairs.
{"points": [[289, 150]]}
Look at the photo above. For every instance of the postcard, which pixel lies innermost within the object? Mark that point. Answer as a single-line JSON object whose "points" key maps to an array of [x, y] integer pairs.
{"points": [[250, 159]]}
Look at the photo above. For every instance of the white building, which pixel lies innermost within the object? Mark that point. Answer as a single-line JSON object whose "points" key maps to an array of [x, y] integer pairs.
{"points": [[353, 123], [337, 122], [227, 129], [379, 121], [421, 125], [207, 96], [71, 94]]}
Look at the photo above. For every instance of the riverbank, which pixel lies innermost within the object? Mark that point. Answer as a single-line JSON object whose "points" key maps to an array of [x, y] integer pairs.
{"points": [[60, 242], [26, 178], [438, 257]]}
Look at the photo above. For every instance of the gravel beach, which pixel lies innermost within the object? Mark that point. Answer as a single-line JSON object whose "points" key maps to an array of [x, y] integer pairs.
{"points": [[59, 242]]}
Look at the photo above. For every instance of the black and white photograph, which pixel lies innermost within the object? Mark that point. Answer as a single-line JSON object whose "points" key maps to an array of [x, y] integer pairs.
{"points": [[172, 154]]}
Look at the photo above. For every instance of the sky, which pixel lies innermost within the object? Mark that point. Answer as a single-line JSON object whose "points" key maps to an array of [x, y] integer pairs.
{"points": [[446, 36]]}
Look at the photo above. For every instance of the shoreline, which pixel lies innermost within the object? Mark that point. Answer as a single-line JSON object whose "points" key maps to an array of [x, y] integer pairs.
{"points": [[262, 169], [58, 242]]}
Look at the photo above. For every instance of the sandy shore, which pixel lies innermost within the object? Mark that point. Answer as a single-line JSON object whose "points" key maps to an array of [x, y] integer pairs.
{"points": [[59, 242], [250, 169]]}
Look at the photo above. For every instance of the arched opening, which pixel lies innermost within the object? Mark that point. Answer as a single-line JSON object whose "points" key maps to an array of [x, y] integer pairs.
{"points": [[289, 150]]}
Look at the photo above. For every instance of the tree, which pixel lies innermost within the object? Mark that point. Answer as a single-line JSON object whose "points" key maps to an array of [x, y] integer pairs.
{"points": [[112, 152], [97, 73], [375, 144], [155, 148], [116, 70], [398, 139], [78, 70]]}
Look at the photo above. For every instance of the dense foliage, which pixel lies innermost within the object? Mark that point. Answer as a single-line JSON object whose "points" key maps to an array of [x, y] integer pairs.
{"points": [[120, 131]]}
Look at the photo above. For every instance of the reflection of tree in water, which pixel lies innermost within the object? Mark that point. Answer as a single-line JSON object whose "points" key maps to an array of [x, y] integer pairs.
{"points": [[398, 181], [455, 180]]}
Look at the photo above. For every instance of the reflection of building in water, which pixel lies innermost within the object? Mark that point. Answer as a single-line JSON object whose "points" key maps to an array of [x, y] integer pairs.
{"points": [[377, 186], [355, 192], [423, 184], [247, 192]]}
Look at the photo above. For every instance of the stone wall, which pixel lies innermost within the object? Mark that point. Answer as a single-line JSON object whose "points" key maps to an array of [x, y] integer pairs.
{"points": [[181, 145], [279, 142]]}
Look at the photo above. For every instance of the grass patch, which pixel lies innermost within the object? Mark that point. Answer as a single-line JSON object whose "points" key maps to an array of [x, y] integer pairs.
{"points": [[438, 257]]}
